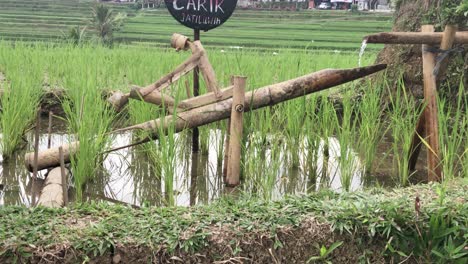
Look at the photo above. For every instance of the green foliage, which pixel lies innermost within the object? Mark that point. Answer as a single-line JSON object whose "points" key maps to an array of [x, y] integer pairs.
{"points": [[105, 22], [22, 91], [449, 12], [324, 253], [435, 235], [76, 35]]}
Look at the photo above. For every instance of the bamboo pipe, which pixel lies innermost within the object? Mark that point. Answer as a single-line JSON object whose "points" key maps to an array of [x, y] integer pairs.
{"points": [[52, 193], [434, 38], [265, 96]]}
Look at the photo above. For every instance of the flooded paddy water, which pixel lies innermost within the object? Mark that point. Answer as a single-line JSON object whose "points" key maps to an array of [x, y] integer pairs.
{"points": [[129, 175]]}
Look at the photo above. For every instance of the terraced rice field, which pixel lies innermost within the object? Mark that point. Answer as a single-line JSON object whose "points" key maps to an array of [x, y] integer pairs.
{"points": [[48, 20]]}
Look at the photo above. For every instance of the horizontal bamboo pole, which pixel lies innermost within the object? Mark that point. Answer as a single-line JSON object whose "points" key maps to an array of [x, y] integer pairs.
{"points": [[434, 38], [265, 96], [52, 194]]}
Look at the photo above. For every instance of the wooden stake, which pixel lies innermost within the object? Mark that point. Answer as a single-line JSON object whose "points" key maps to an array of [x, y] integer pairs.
{"points": [[49, 130], [226, 142], [235, 139], [430, 112], [416, 144], [196, 92], [36, 146], [64, 177], [448, 39]]}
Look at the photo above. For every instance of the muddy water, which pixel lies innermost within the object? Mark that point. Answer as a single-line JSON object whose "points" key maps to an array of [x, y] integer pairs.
{"points": [[129, 176]]}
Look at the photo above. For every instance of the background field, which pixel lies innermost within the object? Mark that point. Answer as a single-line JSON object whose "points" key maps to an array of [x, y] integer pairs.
{"points": [[48, 20]]}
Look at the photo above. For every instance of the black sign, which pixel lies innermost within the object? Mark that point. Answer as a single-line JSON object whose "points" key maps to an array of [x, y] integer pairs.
{"points": [[201, 14]]}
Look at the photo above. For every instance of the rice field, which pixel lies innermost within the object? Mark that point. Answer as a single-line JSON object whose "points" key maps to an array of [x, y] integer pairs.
{"points": [[340, 138], [298, 146], [50, 20]]}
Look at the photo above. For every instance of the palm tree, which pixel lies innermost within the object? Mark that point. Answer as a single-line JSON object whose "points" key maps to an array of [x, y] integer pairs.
{"points": [[105, 22]]}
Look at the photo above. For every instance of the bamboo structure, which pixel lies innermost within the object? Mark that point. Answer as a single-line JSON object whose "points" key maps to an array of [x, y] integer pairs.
{"points": [[262, 97], [153, 93], [427, 126], [429, 38], [235, 137]]}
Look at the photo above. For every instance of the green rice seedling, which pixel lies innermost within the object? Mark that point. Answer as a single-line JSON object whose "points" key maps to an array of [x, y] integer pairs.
{"points": [[167, 156], [88, 116], [346, 137], [294, 115], [370, 125], [403, 119], [22, 91], [327, 126], [261, 166], [452, 132], [312, 139]]}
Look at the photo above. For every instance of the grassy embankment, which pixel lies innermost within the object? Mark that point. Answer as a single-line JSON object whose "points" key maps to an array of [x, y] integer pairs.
{"points": [[374, 226]]}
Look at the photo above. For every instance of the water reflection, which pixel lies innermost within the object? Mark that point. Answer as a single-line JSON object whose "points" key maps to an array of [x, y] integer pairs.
{"points": [[132, 176]]}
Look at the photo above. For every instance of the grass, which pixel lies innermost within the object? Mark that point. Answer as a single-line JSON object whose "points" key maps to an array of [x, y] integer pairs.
{"points": [[386, 219]]}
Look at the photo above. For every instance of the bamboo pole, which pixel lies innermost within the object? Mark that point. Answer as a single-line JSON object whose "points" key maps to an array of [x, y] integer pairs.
{"points": [[64, 176], [448, 40], [430, 112], [416, 144], [49, 130], [236, 126], [265, 96], [226, 142], [207, 70], [429, 38], [52, 192]]}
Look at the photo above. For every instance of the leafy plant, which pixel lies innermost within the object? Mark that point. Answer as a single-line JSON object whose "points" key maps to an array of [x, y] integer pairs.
{"points": [[325, 253], [105, 22]]}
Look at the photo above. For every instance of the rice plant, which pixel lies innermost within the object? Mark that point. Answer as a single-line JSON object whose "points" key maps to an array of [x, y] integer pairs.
{"points": [[452, 132], [89, 118], [346, 135], [403, 119], [22, 92], [370, 125]]}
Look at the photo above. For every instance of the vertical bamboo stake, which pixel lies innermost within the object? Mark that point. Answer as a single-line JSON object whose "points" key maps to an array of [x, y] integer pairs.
{"points": [[447, 42], [64, 177], [226, 142], [235, 139], [36, 145], [430, 112], [49, 131], [36, 157], [196, 92]]}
